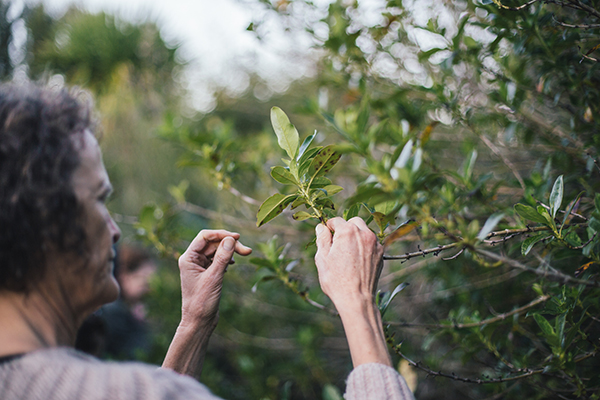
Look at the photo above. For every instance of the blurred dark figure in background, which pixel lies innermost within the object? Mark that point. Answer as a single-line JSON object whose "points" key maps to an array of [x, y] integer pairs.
{"points": [[119, 330], [127, 331]]}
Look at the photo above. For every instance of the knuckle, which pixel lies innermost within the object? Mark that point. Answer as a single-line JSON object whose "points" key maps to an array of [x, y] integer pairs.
{"points": [[369, 237], [222, 258]]}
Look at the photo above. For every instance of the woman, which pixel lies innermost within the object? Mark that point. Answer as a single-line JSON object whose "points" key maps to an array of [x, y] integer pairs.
{"points": [[56, 262]]}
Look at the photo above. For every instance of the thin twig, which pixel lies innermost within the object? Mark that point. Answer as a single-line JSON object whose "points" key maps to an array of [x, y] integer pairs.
{"points": [[588, 58], [506, 161], [435, 250], [455, 256], [499, 317], [585, 244], [585, 7], [453, 376], [242, 196], [499, 4], [559, 275], [317, 305], [578, 26]]}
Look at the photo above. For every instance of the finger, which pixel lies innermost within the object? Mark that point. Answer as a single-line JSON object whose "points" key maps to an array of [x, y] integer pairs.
{"points": [[207, 241], [336, 223], [216, 235], [241, 249], [222, 257], [323, 241], [360, 223]]}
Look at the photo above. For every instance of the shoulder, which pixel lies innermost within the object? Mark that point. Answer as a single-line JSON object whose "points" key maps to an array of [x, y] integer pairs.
{"points": [[64, 373]]}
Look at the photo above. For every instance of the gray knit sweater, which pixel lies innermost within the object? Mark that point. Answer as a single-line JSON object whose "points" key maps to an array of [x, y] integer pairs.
{"points": [[65, 374]]}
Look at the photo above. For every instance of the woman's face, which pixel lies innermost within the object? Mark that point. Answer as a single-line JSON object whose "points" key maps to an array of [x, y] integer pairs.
{"points": [[91, 282]]}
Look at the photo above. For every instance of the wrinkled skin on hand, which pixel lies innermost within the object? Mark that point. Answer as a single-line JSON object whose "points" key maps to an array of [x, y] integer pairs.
{"points": [[349, 262], [202, 268]]}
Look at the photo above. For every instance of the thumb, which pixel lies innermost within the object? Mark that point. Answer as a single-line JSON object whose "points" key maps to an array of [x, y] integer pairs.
{"points": [[323, 241], [222, 256]]}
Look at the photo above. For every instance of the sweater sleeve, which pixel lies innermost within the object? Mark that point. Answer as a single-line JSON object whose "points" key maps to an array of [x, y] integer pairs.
{"points": [[376, 382]]}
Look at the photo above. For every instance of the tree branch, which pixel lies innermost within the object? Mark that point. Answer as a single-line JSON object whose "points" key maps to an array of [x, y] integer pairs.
{"points": [[559, 275], [499, 317], [430, 372], [499, 4], [578, 26], [510, 233]]}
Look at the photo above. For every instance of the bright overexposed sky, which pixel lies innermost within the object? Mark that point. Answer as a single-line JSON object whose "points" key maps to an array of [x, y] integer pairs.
{"points": [[214, 41], [221, 53]]}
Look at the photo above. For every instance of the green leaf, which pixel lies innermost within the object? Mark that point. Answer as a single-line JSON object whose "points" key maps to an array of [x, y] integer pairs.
{"points": [[404, 155], [388, 297], [489, 225], [331, 392], [324, 161], [556, 196], [262, 262], [351, 212], [573, 239], [469, 165], [544, 213], [594, 224], [325, 202], [560, 327], [287, 135], [305, 144], [597, 202], [373, 195], [283, 175], [544, 325], [570, 208], [302, 215], [528, 243], [272, 207], [306, 159], [263, 279], [298, 202], [332, 189], [529, 213], [320, 182]]}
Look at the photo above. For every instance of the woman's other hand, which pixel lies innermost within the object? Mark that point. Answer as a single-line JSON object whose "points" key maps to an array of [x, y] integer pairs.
{"points": [[349, 263], [202, 268]]}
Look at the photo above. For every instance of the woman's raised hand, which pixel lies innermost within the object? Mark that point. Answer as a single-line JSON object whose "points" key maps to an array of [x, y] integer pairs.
{"points": [[202, 268], [349, 263]]}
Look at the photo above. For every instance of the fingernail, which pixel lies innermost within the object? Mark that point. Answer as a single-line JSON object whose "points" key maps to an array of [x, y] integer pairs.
{"points": [[319, 229], [228, 243]]}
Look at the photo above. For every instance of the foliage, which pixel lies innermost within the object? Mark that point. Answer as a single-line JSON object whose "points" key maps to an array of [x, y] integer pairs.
{"points": [[454, 129], [468, 134], [305, 169]]}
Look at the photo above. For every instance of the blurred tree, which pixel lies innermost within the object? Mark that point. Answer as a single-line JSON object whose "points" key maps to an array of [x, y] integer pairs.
{"points": [[6, 36], [449, 114], [130, 70]]}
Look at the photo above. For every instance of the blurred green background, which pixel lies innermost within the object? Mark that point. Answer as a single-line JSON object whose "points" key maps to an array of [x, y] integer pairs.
{"points": [[446, 112]]}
